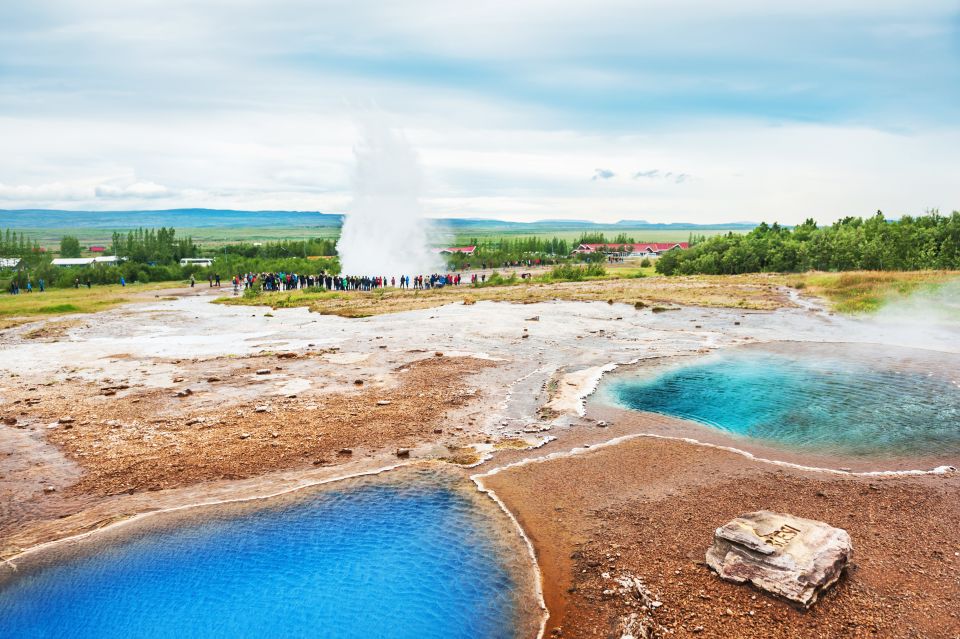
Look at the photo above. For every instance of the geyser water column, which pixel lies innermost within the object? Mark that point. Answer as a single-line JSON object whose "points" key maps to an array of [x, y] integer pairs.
{"points": [[384, 232]]}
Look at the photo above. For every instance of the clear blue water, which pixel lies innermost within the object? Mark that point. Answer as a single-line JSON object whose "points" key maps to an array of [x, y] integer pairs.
{"points": [[826, 399], [374, 560]]}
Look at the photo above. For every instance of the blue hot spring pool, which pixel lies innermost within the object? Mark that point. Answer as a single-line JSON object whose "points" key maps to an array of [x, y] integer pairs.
{"points": [[376, 558], [848, 399]]}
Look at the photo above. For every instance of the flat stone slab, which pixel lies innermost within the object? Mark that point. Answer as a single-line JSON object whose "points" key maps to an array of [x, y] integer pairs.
{"points": [[788, 556]]}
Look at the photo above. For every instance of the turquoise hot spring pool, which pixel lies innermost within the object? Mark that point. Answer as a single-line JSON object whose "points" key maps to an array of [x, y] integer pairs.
{"points": [[417, 555], [860, 400]]}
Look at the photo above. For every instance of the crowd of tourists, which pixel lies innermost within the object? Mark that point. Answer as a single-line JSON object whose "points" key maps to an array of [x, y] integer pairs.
{"points": [[16, 288], [327, 281]]}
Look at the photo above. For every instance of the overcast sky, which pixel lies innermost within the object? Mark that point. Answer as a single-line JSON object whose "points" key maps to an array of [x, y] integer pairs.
{"points": [[604, 110]]}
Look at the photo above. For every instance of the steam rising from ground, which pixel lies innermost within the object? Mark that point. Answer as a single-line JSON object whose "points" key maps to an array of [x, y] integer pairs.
{"points": [[928, 318], [384, 232]]}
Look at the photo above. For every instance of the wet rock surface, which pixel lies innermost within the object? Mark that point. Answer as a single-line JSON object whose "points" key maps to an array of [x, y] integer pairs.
{"points": [[788, 556]]}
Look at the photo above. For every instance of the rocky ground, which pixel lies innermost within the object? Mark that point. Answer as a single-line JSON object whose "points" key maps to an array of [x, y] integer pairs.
{"points": [[177, 401], [622, 532]]}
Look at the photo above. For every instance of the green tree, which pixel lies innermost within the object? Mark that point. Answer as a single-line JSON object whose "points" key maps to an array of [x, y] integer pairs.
{"points": [[69, 246]]}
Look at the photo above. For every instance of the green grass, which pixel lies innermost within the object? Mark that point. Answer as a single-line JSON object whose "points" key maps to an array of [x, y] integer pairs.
{"points": [[59, 308], [859, 292], [215, 237], [65, 301], [640, 235]]}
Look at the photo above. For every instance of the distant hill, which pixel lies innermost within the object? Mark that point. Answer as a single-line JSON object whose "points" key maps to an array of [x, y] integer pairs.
{"points": [[177, 218], [220, 218]]}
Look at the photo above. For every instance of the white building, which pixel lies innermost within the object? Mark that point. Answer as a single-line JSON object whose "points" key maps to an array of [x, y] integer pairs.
{"points": [[196, 261], [9, 262], [86, 261]]}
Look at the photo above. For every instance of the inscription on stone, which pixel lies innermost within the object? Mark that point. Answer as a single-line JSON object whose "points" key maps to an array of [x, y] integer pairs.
{"points": [[781, 537]]}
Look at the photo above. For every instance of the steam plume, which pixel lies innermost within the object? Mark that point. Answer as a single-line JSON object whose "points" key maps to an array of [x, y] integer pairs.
{"points": [[384, 232]]}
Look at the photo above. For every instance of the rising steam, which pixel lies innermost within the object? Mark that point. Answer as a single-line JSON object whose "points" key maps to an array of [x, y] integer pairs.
{"points": [[384, 232]]}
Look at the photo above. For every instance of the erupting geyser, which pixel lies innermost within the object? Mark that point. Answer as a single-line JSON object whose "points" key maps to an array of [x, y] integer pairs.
{"points": [[384, 232]]}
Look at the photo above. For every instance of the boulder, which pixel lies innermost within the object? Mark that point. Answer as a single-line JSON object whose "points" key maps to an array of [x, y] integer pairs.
{"points": [[788, 556]]}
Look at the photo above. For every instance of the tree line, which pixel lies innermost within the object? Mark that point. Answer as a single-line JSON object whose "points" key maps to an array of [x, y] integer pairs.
{"points": [[930, 241], [13, 244]]}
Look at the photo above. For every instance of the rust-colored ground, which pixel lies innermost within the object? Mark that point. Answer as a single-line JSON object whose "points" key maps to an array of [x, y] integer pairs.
{"points": [[648, 508], [148, 440], [178, 450]]}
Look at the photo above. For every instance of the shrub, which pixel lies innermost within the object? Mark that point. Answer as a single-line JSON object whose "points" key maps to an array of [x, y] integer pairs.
{"points": [[571, 273]]}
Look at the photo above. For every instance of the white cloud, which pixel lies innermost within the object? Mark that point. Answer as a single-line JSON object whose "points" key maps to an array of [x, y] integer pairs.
{"points": [[135, 191], [111, 104], [49, 192]]}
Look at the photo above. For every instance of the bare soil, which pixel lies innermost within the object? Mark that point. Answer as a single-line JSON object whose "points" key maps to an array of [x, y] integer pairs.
{"points": [[648, 508]]}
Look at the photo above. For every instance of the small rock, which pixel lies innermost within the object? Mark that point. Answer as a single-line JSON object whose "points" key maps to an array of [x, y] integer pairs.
{"points": [[186, 392], [788, 556], [274, 434], [345, 452], [49, 489], [438, 354], [262, 409], [177, 380], [263, 371], [602, 424], [10, 421], [358, 382], [403, 453], [384, 402], [245, 436], [65, 420], [213, 379], [535, 318], [287, 356]]}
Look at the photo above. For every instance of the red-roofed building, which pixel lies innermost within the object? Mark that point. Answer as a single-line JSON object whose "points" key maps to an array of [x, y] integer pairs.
{"points": [[465, 250], [97, 249], [640, 249]]}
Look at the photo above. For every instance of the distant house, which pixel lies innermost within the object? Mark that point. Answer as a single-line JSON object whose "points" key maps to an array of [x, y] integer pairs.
{"points": [[641, 249], [9, 262], [86, 261], [196, 261], [97, 249], [464, 250]]}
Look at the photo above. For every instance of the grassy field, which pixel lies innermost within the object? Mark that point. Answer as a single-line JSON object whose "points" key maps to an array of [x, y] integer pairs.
{"points": [[624, 286], [208, 237], [215, 237], [856, 292], [15, 309], [640, 235], [868, 291], [852, 292]]}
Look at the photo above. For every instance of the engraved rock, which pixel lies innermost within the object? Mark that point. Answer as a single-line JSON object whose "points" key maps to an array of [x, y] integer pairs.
{"points": [[788, 556]]}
